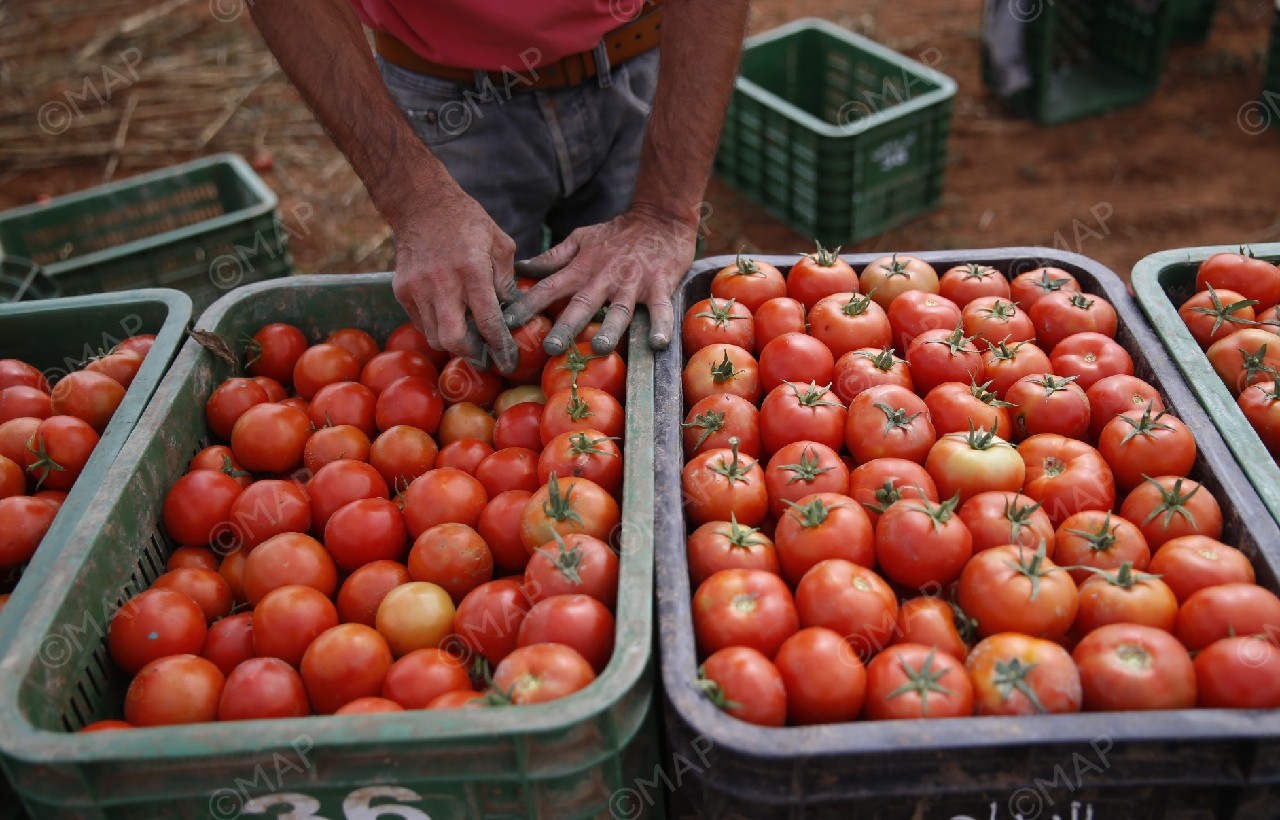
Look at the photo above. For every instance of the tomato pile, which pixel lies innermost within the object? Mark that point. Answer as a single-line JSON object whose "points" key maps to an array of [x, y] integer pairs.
{"points": [[382, 527], [999, 522], [1232, 316], [47, 434]]}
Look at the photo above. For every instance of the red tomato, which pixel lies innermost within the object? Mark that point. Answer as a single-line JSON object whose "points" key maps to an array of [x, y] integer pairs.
{"points": [[1249, 356], [936, 623], [865, 368], [370, 706], [275, 390], [850, 599], [1112, 395], [263, 688], [532, 356], [271, 438], [823, 526], [1015, 674], [964, 283], [1004, 365], [719, 545], [995, 319], [910, 680], [1225, 611], [14, 435], [795, 357], [499, 526], [1260, 403], [229, 642], [881, 482], [776, 317], [359, 343], [720, 484], [417, 615], [743, 607], [824, 680], [460, 699], [332, 444], [889, 276], [23, 524], [921, 545], [1013, 589], [365, 530], [995, 519], [721, 368], [274, 352], [460, 381], [577, 621], [412, 401], [232, 570], [793, 412], [581, 408], [337, 484], [1032, 286], [176, 689], [22, 401], [204, 586], [1066, 476], [346, 662], [848, 321], [888, 421], [228, 402], [802, 468], [408, 337], [1062, 314], [519, 426], [750, 282], [58, 451], [121, 366], [581, 366], [1127, 597], [717, 418], [818, 275], [290, 558], [320, 365], [1046, 403], [513, 468], [1094, 539], [713, 321], [401, 454], [219, 457], [938, 356], [364, 589], [423, 675], [574, 564], [153, 624], [452, 556], [15, 372], [1238, 673], [89, 396], [201, 557], [957, 408], [1139, 443], [197, 509], [1190, 563], [918, 311], [1253, 278], [464, 454], [488, 620], [745, 684], [565, 506], [966, 464], [390, 366], [1128, 667], [268, 508], [585, 453], [541, 673], [1090, 357], [443, 495], [1212, 314]]}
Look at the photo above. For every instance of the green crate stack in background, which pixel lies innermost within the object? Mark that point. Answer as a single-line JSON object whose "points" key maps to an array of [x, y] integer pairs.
{"points": [[835, 135], [1088, 57], [202, 227], [568, 759], [1192, 20]]}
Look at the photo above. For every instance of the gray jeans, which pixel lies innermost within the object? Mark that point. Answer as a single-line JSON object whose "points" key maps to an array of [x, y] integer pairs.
{"points": [[563, 159]]}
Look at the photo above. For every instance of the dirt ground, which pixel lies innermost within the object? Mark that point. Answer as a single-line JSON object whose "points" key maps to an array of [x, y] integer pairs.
{"points": [[183, 78]]}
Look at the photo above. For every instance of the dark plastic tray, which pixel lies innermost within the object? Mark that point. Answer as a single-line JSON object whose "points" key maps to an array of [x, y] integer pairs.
{"points": [[1092, 766]]}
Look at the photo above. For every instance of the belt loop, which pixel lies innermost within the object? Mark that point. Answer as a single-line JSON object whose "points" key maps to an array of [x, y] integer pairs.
{"points": [[604, 72]]}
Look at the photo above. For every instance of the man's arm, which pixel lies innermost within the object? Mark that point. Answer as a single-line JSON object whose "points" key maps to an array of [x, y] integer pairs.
{"points": [[641, 255], [450, 256]]}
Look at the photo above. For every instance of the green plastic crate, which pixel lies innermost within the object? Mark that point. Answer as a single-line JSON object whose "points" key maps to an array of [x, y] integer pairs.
{"points": [[1192, 20], [1088, 57], [573, 758], [22, 280], [1161, 283], [835, 135], [202, 227]]}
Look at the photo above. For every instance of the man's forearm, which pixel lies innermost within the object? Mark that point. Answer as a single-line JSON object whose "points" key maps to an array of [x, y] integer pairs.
{"points": [[322, 48], [701, 44]]}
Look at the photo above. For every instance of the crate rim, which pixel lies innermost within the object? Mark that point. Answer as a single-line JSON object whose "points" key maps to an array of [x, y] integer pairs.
{"points": [[917, 103], [888, 737], [268, 202], [1211, 393], [21, 740]]}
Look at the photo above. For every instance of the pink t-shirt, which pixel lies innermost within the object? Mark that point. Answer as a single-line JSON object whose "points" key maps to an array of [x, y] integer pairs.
{"points": [[496, 34]]}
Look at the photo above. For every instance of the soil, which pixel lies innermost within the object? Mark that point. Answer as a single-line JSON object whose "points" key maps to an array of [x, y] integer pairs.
{"points": [[1180, 170]]}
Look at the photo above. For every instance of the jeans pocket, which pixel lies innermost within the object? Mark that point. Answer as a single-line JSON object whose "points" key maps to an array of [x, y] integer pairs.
{"points": [[437, 108]]}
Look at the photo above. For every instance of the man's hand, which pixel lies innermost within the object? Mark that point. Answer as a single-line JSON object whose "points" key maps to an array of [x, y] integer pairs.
{"points": [[452, 259], [636, 258]]}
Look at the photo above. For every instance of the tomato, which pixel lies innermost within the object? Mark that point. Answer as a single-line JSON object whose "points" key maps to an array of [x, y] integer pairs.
{"points": [[488, 620], [996, 319], [23, 524], [572, 565], [401, 454], [720, 484], [585, 453], [465, 420], [541, 673], [750, 282], [865, 368], [1090, 357], [182, 688], [411, 400], [323, 364], [363, 590], [14, 435], [416, 615], [1246, 357], [333, 443], [1061, 314], [516, 468], [711, 321], [1251, 277], [1004, 365], [519, 426], [219, 457], [58, 451], [776, 317], [802, 468], [1260, 403], [1127, 667], [200, 557], [14, 372], [268, 508], [824, 681], [465, 454], [337, 484], [1016, 674], [1028, 288], [519, 394], [408, 337], [719, 545], [1046, 403], [140, 344], [1125, 596], [956, 408], [921, 545], [390, 366], [370, 706], [89, 396], [577, 621], [1094, 539], [460, 699], [440, 496], [106, 726], [911, 681], [792, 412], [274, 352], [20, 400], [917, 311], [232, 571], [1211, 314], [965, 464], [1190, 563], [1138, 443], [938, 356], [745, 684], [881, 482], [452, 556], [565, 506], [229, 642], [460, 381], [287, 619], [996, 519], [822, 526], [1066, 476], [888, 421], [270, 438], [423, 675], [229, 401], [1238, 673], [1113, 395], [964, 283], [743, 607], [346, 662], [1171, 507], [850, 599], [499, 526], [581, 408], [204, 586], [532, 356], [1224, 611], [848, 321], [198, 507], [121, 366], [581, 366], [289, 558], [1013, 589], [795, 357], [153, 624], [263, 688], [935, 623], [889, 276], [818, 275], [712, 421], [358, 342], [365, 530]]}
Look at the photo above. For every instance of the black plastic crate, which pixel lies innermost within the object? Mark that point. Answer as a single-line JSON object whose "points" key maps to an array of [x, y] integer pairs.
{"points": [[1169, 765]]}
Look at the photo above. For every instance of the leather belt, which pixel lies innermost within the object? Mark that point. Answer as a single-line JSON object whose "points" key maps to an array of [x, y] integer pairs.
{"points": [[633, 38]]}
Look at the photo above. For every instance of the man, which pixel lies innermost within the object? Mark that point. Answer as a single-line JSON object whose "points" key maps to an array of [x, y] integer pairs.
{"points": [[451, 255]]}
